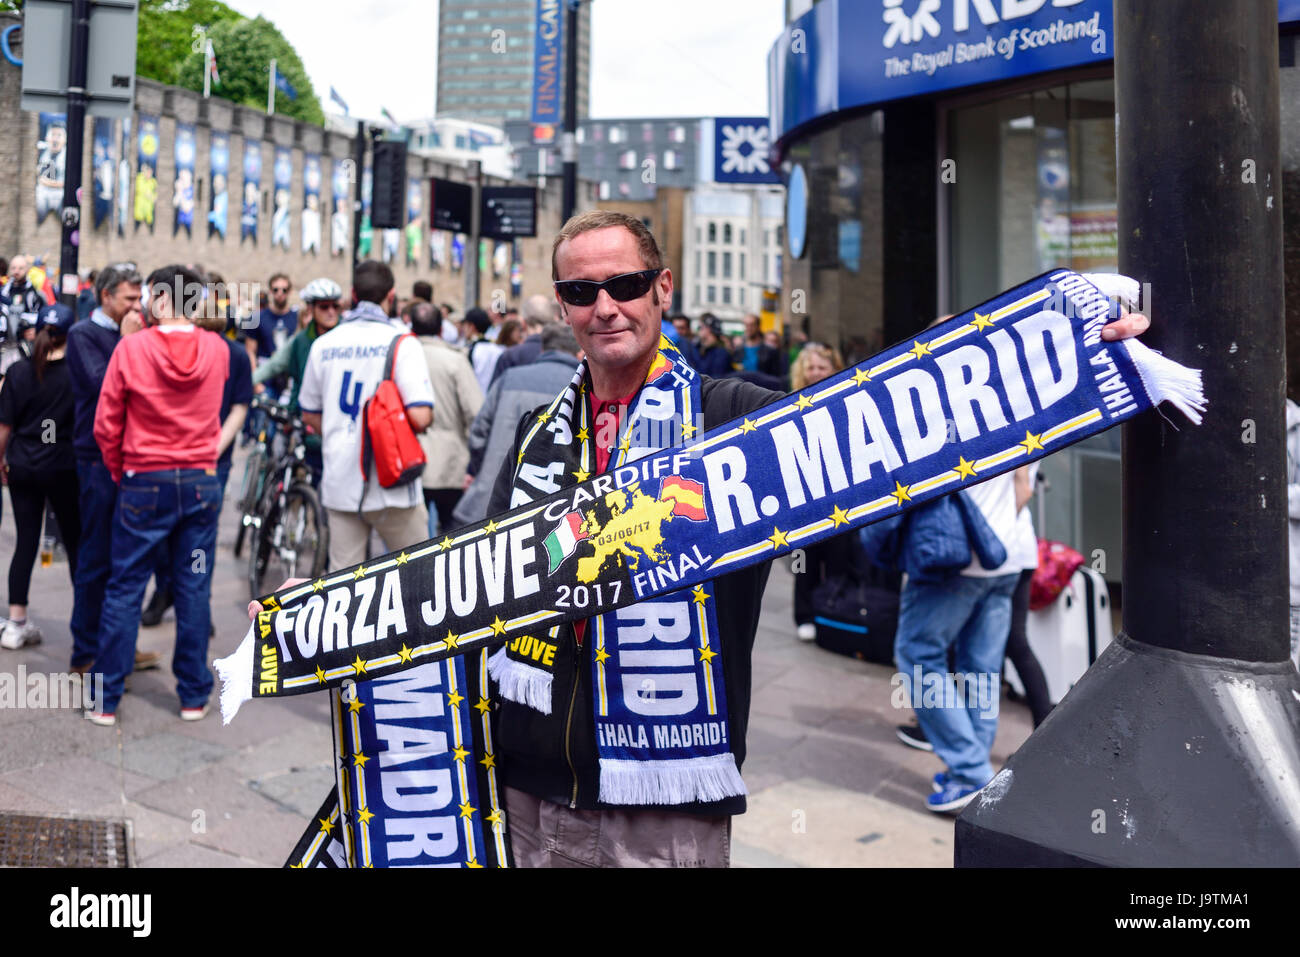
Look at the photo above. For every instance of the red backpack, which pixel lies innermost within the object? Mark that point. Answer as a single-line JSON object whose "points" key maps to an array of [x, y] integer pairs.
{"points": [[1057, 564], [387, 438]]}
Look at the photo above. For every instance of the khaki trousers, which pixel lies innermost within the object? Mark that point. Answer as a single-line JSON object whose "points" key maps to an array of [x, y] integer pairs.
{"points": [[350, 532], [543, 834]]}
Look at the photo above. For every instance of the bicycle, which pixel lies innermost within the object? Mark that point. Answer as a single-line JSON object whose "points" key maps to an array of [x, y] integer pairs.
{"points": [[257, 468], [290, 529]]}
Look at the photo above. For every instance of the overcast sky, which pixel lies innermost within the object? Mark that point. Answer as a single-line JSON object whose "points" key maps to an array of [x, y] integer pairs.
{"points": [[666, 58]]}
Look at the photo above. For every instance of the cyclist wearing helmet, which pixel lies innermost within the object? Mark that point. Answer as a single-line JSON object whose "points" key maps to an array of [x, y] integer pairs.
{"points": [[324, 303]]}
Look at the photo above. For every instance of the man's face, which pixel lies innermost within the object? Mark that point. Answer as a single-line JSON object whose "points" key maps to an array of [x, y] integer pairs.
{"points": [[751, 327], [613, 334], [18, 268], [326, 314], [122, 299], [57, 138], [280, 294]]}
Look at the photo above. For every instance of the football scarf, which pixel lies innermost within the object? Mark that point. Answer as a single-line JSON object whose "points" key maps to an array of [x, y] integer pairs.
{"points": [[1017, 378], [656, 667]]}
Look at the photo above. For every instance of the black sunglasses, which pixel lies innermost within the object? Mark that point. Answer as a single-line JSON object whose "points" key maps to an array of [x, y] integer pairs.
{"points": [[624, 288]]}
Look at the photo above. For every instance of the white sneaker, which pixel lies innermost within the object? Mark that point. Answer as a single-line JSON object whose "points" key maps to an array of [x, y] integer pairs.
{"points": [[14, 636], [195, 714], [806, 632]]}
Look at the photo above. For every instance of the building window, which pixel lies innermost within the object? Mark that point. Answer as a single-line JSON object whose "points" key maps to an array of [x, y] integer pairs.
{"points": [[726, 234], [697, 262], [742, 237], [579, 135], [697, 295], [713, 268], [726, 265], [670, 159], [713, 295], [598, 133], [697, 235], [726, 295], [742, 267], [677, 133], [742, 296], [627, 160], [647, 132], [713, 232], [617, 134], [604, 189]]}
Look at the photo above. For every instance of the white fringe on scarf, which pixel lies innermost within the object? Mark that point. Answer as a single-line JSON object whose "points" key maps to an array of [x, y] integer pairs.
{"points": [[521, 683], [236, 674], [670, 781]]}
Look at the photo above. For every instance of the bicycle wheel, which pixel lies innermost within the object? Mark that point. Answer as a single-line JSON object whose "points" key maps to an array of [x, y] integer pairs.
{"points": [[250, 491], [292, 541]]}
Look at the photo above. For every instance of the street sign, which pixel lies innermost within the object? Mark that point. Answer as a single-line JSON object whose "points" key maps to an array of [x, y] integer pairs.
{"points": [[509, 212], [110, 58], [453, 206]]}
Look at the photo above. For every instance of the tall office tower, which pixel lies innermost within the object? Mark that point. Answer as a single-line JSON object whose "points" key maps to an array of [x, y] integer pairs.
{"points": [[485, 58]]}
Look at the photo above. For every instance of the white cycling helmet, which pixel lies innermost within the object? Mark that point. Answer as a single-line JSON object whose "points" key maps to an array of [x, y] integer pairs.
{"points": [[321, 289]]}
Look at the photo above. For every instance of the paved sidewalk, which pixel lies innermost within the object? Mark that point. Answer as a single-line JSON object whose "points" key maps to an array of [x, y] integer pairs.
{"points": [[830, 784]]}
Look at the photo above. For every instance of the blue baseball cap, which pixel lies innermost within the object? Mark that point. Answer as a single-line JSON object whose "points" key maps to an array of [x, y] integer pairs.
{"points": [[58, 318]]}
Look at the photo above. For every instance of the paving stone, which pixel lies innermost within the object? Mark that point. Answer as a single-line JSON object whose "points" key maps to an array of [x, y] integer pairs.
{"points": [[76, 784], [266, 838], [195, 856], [214, 791], [164, 755], [299, 791]]}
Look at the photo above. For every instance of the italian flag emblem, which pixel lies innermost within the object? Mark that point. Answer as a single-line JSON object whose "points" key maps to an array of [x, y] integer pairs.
{"points": [[563, 541]]}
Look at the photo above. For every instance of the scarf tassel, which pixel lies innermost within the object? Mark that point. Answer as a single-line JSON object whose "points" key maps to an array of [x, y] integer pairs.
{"points": [[673, 781], [236, 674], [521, 683], [1167, 381]]}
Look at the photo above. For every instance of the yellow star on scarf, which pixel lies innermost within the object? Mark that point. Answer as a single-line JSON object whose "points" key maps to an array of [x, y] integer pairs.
{"points": [[495, 817], [839, 517], [359, 666], [803, 402], [777, 538], [364, 816], [707, 654], [445, 543], [404, 653], [455, 698], [919, 349], [861, 376], [320, 675], [299, 864], [1032, 442], [602, 655], [326, 825], [488, 761], [317, 585], [452, 640], [459, 753], [359, 759], [359, 573], [901, 492], [581, 475], [544, 417], [498, 626], [355, 705], [467, 810], [401, 559], [980, 322], [625, 445], [749, 425], [698, 595], [473, 863], [490, 528], [964, 469], [582, 434], [484, 706], [688, 430], [520, 459]]}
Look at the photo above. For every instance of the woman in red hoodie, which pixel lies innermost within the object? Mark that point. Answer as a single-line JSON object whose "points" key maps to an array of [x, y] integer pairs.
{"points": [[157, 425]]}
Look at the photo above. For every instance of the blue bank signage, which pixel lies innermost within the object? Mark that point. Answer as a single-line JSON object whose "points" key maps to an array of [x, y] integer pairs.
{"points": [[741, 147], [548, 62]]}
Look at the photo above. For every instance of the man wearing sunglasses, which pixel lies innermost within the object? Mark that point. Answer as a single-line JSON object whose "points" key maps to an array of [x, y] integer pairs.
{"points": [[275, 323], [613, 287]]}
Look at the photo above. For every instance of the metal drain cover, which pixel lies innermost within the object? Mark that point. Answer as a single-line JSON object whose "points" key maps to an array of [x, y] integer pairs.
{"points": [[31, 840]]}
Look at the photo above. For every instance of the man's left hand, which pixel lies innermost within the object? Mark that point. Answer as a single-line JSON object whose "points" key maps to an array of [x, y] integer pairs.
{"points": [[1126, 327]]}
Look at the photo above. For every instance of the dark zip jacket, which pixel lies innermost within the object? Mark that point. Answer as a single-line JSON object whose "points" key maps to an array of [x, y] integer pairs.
{"points": [[553, 756]]}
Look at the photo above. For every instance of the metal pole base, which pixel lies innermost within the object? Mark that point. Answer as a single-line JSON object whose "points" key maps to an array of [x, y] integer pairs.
{"points": [[1156, 758]]}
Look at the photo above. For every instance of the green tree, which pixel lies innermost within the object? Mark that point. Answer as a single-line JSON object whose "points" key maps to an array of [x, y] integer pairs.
{"points": [[244, 50], [166, 34]]}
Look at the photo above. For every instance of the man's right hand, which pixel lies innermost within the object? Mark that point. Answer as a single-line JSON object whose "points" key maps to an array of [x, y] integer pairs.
{"points": [[256, 606], [133, 321]]}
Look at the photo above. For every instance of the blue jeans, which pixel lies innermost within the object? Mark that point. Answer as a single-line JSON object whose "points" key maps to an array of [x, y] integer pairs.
{"points": [[974, 614], [178, 506], [162, 567], [98, 499]]}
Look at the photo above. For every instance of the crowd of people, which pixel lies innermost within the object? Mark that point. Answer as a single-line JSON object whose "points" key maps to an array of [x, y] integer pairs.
{"points": [[124, 422]]}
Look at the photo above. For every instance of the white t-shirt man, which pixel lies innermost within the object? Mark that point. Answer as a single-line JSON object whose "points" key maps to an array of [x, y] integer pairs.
{"points": [[996, 498], [344, 369]]}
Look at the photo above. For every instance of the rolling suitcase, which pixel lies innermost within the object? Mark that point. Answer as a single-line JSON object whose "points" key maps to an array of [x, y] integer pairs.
{"points": [[1069, 634]]}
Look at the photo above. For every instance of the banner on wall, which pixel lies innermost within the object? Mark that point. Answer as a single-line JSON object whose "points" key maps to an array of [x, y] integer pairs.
{"points": [[283, 177], [516, 268], [311, 179], [183, 186], [123, 211], [103, 169], [340, 221], [51, 160], [457, 252], [437, 249], [414, 224], [146, 172], [367, 231], [252, 191], [219, 186]]}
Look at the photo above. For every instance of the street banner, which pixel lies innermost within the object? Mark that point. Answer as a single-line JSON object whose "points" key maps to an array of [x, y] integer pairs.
{"points": [[367, 237], [51, 161], [997, 387], [340, 218], [548, 63], [457, 253], [437, 249], [219, 185], [146, 172], [414, 226], [183, 184], [311, 182], [252, 200], [103, 168], [122, 212], [283, 177]]}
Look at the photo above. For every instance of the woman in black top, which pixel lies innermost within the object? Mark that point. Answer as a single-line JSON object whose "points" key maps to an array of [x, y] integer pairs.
{"points": [[37, 461]]}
